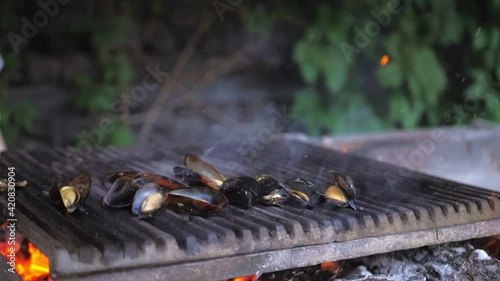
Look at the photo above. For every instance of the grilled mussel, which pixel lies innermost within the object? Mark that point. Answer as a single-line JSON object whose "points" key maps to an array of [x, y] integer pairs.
{"points": [[4, 184], [272, 192], [122, 192], [115, 176], [199, 172], [242, 192], [196, 200], [188, 177], [148, 200], [70, 196], [341, 191], [162, 181], [302, 193]]}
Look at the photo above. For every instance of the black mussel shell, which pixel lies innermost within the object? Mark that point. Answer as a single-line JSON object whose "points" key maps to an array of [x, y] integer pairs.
{"points": [[70, 196], [162, 181], [210, 176], [342, 191], [302, 193], [242, 192], [272, 192], [148, 200], [115, 176], [188, 177], [267, 184], [122, 192], [196, 200]]}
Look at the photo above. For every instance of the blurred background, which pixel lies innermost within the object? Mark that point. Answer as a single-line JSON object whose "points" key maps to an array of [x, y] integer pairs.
{"points": [[124, 72]]}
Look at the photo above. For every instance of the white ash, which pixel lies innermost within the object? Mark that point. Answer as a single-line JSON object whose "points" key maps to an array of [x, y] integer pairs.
{"points": [[452, 261], [481, 255]]}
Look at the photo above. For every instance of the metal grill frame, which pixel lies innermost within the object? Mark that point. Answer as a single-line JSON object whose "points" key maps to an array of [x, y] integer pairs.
{"points": [[297, 238]]}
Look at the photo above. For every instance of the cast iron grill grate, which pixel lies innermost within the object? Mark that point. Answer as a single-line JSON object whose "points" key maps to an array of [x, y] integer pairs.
{"points": [[99, 243]]}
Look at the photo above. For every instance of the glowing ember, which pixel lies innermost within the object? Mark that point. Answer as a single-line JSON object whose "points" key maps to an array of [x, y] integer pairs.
{"points": [[333, 267], [384, 60], [344, 150], [31, 263], [245, 278]]}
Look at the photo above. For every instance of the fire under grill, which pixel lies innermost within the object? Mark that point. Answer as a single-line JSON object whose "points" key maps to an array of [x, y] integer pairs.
{"points": [[97, 243]]}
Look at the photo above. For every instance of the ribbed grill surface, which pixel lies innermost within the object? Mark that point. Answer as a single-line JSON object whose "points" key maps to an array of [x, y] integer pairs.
{"points": [[96, 238]]}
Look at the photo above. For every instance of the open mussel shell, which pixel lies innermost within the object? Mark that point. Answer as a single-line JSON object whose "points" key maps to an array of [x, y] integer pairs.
{"points": [[302, 193], [196, 200], [342, 191], [242, 192], [267, 184], [188, 177], [162, 181], [121, 193], [148, 200], [276, 197], [272, 192], [210, 176], [70, 196]]}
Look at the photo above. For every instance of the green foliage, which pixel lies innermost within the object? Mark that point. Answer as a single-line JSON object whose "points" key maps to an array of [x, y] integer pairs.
{"points": [[12, 61], [419, 82], [15, 118], [110, 33], [115, 74], [117, 133]]}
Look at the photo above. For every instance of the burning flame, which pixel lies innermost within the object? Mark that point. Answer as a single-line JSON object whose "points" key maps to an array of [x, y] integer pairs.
{"points": [[31, 263], [384, 60]]}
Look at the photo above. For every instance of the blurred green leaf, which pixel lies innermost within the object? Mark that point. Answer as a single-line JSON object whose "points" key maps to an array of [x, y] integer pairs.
{"points": [[16, 118], [258, 21], [416, 90], [390, 76], [100, 103], [309, 72], [495, 40], [452, 31], [124, 71], [10, 133], [392, 44], [84, 84], [480, 39], [359, 116], [303, 56], [408, 26], [121, 136], [26, 114], [306, 105], [492, 101], [12, 60], [111, 32], [428, 73], [336, 71]]}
